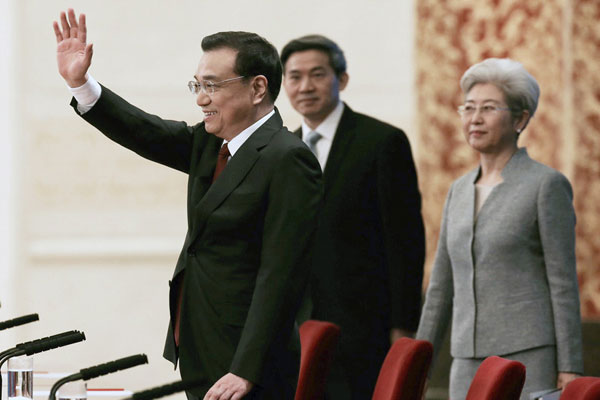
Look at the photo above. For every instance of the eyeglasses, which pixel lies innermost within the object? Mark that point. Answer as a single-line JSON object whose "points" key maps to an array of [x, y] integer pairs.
{"points": [[468, 110], [208, 87]]}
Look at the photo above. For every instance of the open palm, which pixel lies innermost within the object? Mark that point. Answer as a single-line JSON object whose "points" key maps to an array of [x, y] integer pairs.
{"points": [[73, 54]]}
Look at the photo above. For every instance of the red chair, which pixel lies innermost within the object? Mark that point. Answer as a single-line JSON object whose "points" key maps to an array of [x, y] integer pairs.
{"points": [[584, 388], [318, 340], [497, 379], [404, 370]]}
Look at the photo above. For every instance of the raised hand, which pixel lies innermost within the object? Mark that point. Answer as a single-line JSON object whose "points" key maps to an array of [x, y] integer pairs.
{"points": [[73, 54]]}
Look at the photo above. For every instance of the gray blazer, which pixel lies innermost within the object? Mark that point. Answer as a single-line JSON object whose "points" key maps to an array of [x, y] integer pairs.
{"points": [[507, 279]]}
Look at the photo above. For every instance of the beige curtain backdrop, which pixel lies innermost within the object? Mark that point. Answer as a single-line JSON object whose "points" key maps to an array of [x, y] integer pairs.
{"points": [[558, 41]]}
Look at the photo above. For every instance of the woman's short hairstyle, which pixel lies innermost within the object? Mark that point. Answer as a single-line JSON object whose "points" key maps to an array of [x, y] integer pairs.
{"points": [[520, 88]]}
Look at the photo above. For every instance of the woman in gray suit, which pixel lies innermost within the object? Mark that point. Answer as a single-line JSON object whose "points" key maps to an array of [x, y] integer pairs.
{"points": [[504, 271]]}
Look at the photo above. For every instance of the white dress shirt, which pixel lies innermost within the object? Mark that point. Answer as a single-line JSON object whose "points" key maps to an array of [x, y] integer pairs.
{"points": [[239, 139], [87, 94], [327, 130]]}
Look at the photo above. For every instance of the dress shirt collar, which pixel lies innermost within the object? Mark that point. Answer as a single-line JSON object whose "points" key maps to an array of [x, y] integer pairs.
{"points": [[237, 142], [329, 125]]}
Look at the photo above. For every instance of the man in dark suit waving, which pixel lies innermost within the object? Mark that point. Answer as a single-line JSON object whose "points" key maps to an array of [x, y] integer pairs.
{"points": [[367, 266], [254, 191]]}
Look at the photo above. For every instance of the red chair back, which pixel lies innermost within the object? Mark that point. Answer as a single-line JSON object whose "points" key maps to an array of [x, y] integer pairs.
{"points": [[584, 388], [497, 379], [318, 340], [404, 370]]}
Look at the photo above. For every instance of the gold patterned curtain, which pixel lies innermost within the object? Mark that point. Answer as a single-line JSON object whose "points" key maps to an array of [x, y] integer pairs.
{"points": [[559, 43]]}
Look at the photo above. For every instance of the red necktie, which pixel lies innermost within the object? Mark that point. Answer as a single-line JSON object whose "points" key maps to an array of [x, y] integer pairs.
{"points": [[221, 161]]}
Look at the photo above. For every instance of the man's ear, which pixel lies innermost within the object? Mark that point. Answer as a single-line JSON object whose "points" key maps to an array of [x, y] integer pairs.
{"points": [[260, 88], [343, 80]]}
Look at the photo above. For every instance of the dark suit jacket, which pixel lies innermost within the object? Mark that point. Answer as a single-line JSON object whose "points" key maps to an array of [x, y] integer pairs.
{"points": [[244, 263], [367, 266]]}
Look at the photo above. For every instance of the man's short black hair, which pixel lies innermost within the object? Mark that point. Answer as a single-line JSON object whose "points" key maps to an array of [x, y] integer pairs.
{"points": [[337, 61], [255, 56]]}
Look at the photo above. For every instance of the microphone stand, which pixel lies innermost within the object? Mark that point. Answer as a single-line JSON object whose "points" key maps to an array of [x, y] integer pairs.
{"points": [[40, 345], [166, 390], [99, 370]]}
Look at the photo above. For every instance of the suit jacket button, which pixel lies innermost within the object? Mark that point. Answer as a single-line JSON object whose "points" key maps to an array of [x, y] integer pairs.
{"points": [[191, 253]]}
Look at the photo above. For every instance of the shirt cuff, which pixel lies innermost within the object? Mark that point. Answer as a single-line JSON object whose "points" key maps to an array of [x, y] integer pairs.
{"points": [[87, 94]]}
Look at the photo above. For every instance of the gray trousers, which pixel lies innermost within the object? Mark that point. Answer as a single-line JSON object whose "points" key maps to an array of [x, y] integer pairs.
{"points": [[540, 364]]}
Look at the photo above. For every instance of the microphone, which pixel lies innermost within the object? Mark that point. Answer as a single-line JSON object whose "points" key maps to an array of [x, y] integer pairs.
{"points": [[165, 390], [52, 342], [44, 344], [25, 319], [40, 345], [99, 370], [110, 367]]}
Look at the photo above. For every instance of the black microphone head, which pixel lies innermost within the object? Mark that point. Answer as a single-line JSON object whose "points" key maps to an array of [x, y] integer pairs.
{"points": [[25, 319], [25, 344], [113, 366], [166, 390], [51, 342]]}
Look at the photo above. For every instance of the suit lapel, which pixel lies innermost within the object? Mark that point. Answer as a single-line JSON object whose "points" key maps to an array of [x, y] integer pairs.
{"points": [[204, 161], [236, 170], [510, 175], [344, 135], [467, 214], [469, 201], [206, 167]]}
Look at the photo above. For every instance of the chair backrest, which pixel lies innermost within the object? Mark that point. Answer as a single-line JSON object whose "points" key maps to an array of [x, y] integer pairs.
{"points": [[404, 371], [584, 388], [318, 340], [497, 379]]}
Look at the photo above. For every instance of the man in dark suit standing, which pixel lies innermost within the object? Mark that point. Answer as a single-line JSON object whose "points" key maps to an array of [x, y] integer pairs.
{"points": [[254, 191], [367, 265]]}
